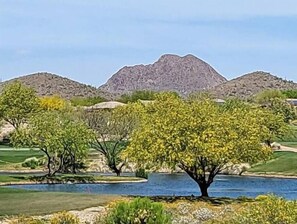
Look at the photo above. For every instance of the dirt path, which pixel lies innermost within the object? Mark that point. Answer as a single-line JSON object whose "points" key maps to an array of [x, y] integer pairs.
{"points": [[286, 148]]}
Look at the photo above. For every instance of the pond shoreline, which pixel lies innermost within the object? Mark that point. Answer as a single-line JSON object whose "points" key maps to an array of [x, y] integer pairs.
{"points": [[269, 175], [75, 182]]}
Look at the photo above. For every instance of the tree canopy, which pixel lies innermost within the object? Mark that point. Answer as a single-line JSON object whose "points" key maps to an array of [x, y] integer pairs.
{"points": [[86, 101], [112, 131], [64, 141], [291, 93], [200, 137], [17, 103], [53, 103], [138, 95], [275, 101], [268, 95]]}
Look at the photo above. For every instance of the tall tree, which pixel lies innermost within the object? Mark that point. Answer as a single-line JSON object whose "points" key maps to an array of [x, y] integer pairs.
{"points": [[200, 137], [113, 129], [64, 141], [17, 103]]}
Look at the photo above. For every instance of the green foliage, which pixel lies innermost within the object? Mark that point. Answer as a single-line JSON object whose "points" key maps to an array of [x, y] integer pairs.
{"points": [[266, 96], [275, 101], [64, 218], [141, 173], [138, 95], [198, 96], [86, 101], [32, 162], [291, 93], [63, 140], [138, 211], [64, 178], [113, 129], [269, 210], [199, 137], [273, 125], [285, 109], [17, 103], [26, 220]]}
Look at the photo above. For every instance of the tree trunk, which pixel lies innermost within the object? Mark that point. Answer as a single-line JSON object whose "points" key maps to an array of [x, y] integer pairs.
{"points": [[49, 166], [118, 173], [203, 189]]}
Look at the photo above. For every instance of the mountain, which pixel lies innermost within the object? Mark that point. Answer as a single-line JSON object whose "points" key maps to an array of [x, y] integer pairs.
{"points": [[250, 84], [47, 84], [171, 72]]}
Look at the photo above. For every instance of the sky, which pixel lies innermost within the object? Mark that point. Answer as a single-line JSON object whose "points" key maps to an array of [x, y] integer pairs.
{"points": [[90, 40]]}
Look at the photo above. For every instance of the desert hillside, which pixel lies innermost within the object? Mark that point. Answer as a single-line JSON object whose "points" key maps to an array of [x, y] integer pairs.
{"points": [[250, 84], [47, 84]]}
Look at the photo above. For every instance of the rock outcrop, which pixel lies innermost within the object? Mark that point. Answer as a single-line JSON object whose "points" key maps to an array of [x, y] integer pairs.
{"points": [[183, 75]]}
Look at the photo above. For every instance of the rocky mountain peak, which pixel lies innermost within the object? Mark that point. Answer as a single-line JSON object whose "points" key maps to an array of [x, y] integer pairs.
{"points": [[169, 73]]}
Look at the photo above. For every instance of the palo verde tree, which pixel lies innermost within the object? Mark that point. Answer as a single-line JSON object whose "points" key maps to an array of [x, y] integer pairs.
{"points": [[112, 131], [273, 124], [64, 141], [200, 137], [17, 103], [55, 102]]}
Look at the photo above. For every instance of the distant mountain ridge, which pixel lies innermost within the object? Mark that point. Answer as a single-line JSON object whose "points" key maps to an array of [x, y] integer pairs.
{"points": [[250, 84], [46, 84], [183, 75]]}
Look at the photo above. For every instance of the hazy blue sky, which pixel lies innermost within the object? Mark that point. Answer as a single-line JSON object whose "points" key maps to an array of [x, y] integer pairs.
{"points": [[89, 40]]}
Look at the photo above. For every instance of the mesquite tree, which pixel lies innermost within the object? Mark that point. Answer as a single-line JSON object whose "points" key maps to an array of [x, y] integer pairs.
{"points": [[200, 137], [112, 131], [64, 141]]}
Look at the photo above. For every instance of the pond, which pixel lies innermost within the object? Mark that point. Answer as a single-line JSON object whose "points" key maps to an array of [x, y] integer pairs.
{"points": [[182, 185]]}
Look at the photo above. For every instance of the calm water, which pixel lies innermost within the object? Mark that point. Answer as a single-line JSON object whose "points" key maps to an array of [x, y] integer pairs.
{"points": [[181, 184]]}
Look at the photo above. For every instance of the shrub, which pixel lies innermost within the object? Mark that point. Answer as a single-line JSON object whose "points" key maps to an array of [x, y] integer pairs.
{"points": [[141, 173], [26, 220], [140, 210], [272, 210], [138, 95], [64, 218], [86, 101], [32, 162]]}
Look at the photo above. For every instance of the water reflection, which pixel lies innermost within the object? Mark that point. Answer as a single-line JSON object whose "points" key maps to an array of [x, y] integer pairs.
{"points": [[181, 184]]}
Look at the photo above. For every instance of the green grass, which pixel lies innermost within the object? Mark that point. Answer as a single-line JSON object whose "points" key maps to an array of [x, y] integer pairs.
{"points": [[11, 178], [84, 178], [16, 202], [282, 163], [18, 156]]}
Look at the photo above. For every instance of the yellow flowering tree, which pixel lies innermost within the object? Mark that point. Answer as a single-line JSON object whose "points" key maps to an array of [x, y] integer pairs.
{"points": [[200, 137], [17, 103], [53, 103]]}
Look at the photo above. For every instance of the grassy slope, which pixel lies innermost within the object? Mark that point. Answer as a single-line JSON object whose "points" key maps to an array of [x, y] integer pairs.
{"points": [[284, 163], [11, 157], [15, 202]]}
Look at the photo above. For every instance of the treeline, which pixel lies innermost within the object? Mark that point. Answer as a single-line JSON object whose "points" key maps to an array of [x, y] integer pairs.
{"points": [[198, 135]]}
